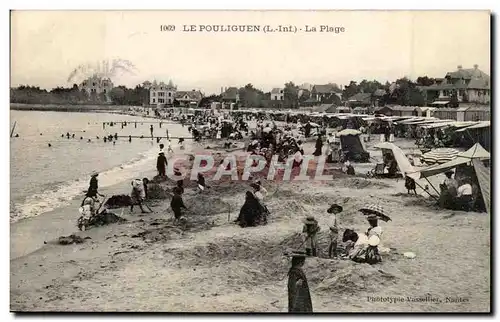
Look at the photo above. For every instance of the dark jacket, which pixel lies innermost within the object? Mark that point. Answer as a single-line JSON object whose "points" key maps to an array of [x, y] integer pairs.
{"points": [[299, 298], [92, 191], [177, 202]]}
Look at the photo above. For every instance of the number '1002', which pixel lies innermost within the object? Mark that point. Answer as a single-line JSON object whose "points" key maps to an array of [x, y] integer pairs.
{"points": [[167, 28]]}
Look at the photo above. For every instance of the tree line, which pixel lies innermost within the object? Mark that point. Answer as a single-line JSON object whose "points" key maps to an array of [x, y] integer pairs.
{"points": [[401, 92]]}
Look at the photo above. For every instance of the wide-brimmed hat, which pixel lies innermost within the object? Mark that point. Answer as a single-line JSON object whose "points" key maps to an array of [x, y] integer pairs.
{"points": [[310, 220], [334, 209], [375, 210], [94, 174], [449, 171]]}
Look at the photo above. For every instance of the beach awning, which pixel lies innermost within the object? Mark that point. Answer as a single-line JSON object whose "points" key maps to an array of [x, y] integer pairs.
{"points": [[404, 164], [440, 102], [476, 126], [442, 123], [348, 132], [475, 152]]}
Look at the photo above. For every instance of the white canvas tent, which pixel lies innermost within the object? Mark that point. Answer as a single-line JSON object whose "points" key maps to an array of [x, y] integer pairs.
{"points": [[475, 152], [404, 164], [474, 155]]}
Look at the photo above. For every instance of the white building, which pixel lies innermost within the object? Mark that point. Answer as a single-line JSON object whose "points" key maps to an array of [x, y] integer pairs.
{"points": [[277, 94], [161, 93]]}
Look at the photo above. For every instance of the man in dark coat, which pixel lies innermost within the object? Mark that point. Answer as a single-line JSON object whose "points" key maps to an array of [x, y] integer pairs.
{"points": [[299, 298], [161, 164]]}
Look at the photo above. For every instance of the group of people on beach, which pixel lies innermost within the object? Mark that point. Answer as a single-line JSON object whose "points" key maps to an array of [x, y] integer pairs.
{"points": [[462, 194], [359, 247]]}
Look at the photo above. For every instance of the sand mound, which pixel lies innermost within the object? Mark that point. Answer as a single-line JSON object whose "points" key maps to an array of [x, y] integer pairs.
{"points": [[156, 191], [71, 239], [161, 234], [118, 201], [105, 218], [207, 205], [361, 183], [347, 277]]}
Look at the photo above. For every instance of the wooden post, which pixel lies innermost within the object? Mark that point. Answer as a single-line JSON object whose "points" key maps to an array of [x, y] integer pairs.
{"points": [[13, 128]]}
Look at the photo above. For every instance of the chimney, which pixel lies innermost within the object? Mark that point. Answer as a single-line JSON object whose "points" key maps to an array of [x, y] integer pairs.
{"points": [[475, 66], [221, 89], [459, 67]]}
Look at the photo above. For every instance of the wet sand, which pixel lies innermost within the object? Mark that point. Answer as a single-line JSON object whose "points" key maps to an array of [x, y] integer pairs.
{"points": [[148, 264]]}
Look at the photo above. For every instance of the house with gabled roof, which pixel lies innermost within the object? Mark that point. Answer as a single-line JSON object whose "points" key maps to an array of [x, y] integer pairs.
{"points": [[188, 98], [277, 94], [160, 93], [468, 84], [327, 93]]}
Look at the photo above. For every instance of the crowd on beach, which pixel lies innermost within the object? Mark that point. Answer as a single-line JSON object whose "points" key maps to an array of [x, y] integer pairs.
{"points": [[268, 139]]}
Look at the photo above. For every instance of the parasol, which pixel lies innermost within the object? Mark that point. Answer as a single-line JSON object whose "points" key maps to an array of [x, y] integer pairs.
{"points": [[441, 155], [267, 130], [348, 132], [376, 210]]}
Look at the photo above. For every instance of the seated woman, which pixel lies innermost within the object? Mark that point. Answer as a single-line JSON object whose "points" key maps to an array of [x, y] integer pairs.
{"points": [[251, 213], [365, 248]]}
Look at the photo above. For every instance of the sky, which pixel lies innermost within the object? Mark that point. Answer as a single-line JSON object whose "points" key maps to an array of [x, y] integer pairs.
{"points": [[46, 46]]}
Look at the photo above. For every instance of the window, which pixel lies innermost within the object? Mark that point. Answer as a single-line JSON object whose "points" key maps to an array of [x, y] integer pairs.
{"points": [[93, 84], [154, 94], [161, 100], [154, 101], [104, 91], [161, 94], [169, 94], [281, 92]]}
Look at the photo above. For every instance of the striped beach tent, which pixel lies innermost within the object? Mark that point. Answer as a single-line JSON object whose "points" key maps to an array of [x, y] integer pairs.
{"points": [[440, 155]]}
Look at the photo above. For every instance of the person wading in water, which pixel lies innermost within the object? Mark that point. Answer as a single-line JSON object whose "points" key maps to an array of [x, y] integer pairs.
{"points": [[299, 297]]}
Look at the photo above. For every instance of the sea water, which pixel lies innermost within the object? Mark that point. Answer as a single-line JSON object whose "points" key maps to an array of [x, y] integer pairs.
{"points": [[43, 178]]}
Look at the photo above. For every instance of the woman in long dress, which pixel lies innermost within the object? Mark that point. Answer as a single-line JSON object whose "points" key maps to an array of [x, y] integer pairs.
{"points": [[299, 297]]}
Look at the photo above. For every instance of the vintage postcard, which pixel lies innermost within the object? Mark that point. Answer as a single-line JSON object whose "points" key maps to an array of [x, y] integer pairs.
{"points": [[250, 161]]}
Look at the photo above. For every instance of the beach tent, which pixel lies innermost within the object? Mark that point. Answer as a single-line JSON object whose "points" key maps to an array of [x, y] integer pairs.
{"points": [[404, 164], [350, 142], [475, 155], [483, 178], [475, 152]]}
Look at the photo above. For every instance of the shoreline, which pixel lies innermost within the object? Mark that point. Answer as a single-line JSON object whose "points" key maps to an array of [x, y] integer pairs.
{"points": [[42, 202], [70, 107]]}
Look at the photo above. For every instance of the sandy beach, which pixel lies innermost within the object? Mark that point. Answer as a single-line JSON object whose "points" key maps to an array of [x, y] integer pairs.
{"points": [[148, 264]]}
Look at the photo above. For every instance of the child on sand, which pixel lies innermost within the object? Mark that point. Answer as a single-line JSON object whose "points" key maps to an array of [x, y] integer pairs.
{"points": [[334, 230], [311, 230], [177, 204]]}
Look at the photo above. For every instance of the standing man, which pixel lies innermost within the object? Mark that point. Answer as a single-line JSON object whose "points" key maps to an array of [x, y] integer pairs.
{"points": [[299, 297], [151, 130], [161, 164]]}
